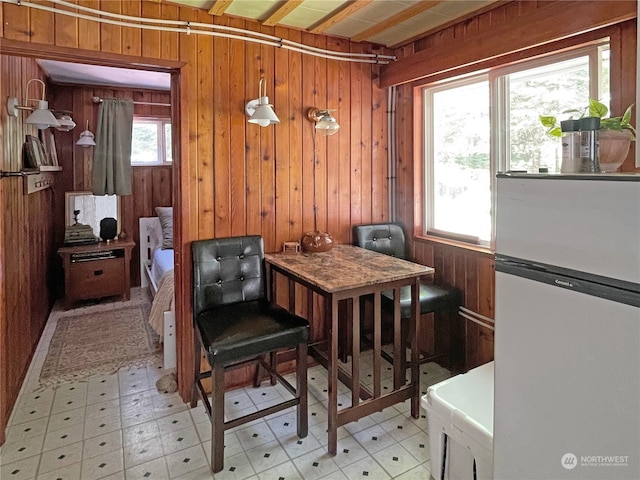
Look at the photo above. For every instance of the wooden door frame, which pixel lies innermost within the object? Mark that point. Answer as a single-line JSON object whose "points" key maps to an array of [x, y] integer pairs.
{"points": [[180, 170]]}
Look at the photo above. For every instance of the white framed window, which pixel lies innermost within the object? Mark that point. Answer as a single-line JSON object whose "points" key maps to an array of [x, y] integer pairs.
{"points": [[151, 141], [485, 123]]}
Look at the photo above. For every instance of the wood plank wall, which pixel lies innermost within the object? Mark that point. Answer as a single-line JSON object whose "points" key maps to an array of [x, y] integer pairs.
{"points": [[26, 245], [482, 41], [151, 186], [237, 178]]}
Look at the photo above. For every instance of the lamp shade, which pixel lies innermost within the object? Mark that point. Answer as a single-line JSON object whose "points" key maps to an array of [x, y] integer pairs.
{"points": [[263, 114], [327, 125], [86, 139], [42, 116], [66, 123]]}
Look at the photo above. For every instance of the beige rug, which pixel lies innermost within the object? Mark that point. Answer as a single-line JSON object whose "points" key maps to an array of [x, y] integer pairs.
{"points": [[99, 343]]}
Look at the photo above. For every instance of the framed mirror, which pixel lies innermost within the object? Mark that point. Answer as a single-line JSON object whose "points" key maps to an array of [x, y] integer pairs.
{"points": [[91, 209]]}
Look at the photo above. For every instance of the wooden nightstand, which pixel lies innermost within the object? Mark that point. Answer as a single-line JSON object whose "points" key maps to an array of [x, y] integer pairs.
{"points": [[96, 271]]}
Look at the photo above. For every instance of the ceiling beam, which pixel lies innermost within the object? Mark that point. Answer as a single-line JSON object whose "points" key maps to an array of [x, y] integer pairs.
{"points": [[284, 8], [394, 20], [219, 7], [338, 15]]}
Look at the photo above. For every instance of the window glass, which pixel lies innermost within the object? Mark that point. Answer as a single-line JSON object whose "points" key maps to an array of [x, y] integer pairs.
{"points": [[151, 141], [461, 183], [478, 126]]}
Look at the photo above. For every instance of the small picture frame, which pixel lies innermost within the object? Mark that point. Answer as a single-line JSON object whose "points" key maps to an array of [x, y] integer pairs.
{"points": [[291, 247], [49, 144]]}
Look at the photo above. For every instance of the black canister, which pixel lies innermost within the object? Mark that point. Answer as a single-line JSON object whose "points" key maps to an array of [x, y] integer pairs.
{"points": [[589, 145]]}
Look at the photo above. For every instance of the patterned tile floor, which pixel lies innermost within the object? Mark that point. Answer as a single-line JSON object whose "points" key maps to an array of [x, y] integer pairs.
{"points": [[119, 427]]}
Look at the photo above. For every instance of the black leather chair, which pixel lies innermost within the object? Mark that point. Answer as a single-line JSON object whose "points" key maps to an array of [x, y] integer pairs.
{"points": [[389, 238], [235, 324]]}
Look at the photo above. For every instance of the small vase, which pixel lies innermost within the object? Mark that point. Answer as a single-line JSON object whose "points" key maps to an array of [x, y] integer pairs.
{"points": [[316, 242]]}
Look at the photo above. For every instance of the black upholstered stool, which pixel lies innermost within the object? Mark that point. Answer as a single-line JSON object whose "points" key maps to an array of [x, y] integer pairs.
{"points": [[389, 238], [235, 324]]}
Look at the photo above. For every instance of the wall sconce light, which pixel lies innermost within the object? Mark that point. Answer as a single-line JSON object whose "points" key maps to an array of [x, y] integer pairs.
{"points": [[66, 122], [259, 110], [86, 138], [40, 116], [326, 124]]}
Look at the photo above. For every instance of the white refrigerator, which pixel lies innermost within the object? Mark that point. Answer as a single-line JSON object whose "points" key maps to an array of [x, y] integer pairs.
{"points": [[567, 327]]}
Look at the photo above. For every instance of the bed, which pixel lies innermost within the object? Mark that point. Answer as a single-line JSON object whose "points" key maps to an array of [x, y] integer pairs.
{"points": [[156, 274]]}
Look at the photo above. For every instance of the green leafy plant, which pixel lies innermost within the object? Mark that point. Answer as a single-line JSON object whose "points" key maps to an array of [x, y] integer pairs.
{"points": [[595, 109]]}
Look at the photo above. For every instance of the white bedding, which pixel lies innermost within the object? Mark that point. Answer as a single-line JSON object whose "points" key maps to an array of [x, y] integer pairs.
{"points": [[161, 263]]}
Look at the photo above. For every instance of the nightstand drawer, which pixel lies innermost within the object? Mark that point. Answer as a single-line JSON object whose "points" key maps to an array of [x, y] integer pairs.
{"points": [[97, 278]]}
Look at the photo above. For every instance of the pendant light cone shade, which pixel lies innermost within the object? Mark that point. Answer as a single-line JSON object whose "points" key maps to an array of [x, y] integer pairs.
{"points": [[86, 138], [260, 111]]}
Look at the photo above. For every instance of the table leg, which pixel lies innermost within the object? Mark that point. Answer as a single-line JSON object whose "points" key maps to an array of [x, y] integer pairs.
{"points": [[333, 376], [415, 355]]}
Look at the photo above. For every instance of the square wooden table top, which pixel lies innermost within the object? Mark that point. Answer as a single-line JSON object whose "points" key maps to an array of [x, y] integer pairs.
{"points": [[346, 267]]}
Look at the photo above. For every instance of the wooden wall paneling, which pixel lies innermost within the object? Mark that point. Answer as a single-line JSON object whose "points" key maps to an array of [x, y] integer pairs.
{"points": [[334, 227], [87, 39], [296, 117], [40, 26], [379, 150], [308, 150], [213, 133], [152, 45], [355, 153], [253, 70], [344, 140], [131, 36], [321, 100], [16, 22], [237, 141], [111, 35], [169, 41], [67, 28], [267, 153], [366, 180], [282, 158]]}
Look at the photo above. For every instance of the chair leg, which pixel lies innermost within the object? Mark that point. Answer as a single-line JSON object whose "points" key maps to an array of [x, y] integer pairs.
{"points": [[301, 390], [196, 370], [273, 361], [217, 419], [257, 378]]}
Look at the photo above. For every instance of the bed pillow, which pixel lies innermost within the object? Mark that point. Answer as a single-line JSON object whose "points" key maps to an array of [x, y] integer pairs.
{"points": [[165, 214]]}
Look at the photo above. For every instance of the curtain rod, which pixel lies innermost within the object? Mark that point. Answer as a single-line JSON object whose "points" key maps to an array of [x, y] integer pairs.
{"points": [[99, 100]]}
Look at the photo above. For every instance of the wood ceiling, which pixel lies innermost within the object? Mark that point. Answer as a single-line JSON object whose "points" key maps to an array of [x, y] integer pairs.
{"points": [[387, 22]]}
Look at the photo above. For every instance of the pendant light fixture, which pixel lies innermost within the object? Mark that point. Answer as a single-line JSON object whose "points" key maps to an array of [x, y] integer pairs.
{"points": [[40, 116], [86, 138], [259, 110]]}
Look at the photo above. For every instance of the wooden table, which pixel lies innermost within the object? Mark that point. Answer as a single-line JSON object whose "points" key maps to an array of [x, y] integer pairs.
{"points": [[348, 272]]}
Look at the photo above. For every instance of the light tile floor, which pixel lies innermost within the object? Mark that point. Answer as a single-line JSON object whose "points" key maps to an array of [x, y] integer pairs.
{"points": [[120, 427]]}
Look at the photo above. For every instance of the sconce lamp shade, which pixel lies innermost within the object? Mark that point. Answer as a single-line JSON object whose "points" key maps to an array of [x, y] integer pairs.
{"points": [[326, 124], [86, 138], [41, 116], [66, 122], [260, 111]]}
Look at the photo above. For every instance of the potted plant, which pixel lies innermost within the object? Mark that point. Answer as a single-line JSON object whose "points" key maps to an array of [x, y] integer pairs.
{"points": [[615, 134]]}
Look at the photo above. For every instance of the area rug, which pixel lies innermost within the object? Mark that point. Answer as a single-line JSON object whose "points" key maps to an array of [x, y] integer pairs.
{"points": [[99, 343]]}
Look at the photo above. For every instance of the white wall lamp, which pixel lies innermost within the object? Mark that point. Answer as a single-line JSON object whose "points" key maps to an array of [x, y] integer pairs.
{"points": [[66, 122], [40, 116], [86, 138], [326, 124], [259, 110]]}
